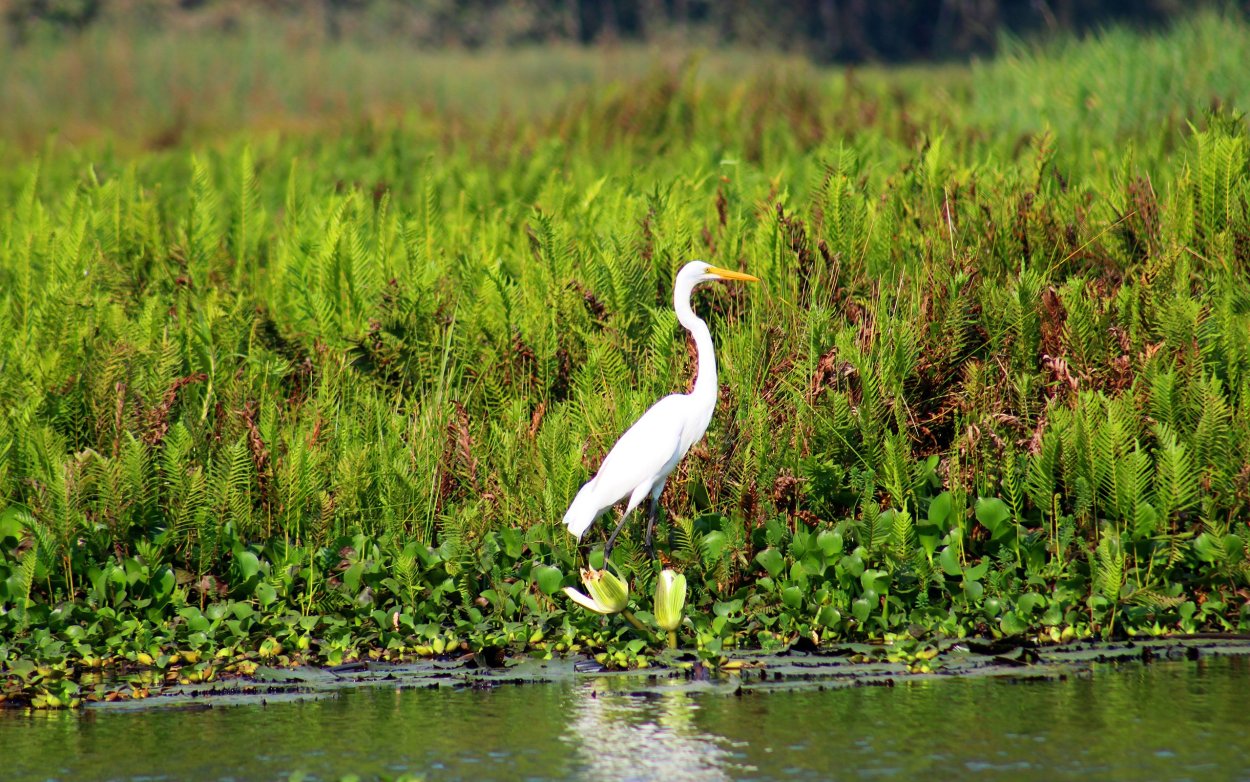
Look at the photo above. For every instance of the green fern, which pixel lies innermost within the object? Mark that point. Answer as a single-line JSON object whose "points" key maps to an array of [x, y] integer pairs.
{"points": [[1176, 480]]}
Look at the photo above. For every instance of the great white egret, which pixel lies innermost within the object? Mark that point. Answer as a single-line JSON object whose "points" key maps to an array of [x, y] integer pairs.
{"points": [[640, 462]]}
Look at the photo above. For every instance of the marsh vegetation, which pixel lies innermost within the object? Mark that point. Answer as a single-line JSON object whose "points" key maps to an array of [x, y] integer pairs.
{"points": [[269, 394]]}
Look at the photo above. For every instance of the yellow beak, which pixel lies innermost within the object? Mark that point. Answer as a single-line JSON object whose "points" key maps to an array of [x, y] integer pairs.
{"points": [[730, 274]]}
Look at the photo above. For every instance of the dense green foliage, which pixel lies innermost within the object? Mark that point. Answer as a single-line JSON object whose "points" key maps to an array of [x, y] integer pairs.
{"points": [[317, 397]]}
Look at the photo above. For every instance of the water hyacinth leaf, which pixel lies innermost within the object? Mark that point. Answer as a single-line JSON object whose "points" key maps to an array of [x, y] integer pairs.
{"points": [[940, 511], [595, 560], [829, 616], [352, 576], [713, 546], [1012, 624], [877, 581], [861, 609], [163, 584], [949, 560], [929, 537], [930, 532], [512, 542], [1209, 548], [792, 596], [771, 560], [13, 522], [993, 514], [131, 571], [1030, 602], [775, 531], [798, 573], [548, 579], [247, 563], [852, 565], [1235, 547], [265, 594], [1053, 615], [830, 543]]}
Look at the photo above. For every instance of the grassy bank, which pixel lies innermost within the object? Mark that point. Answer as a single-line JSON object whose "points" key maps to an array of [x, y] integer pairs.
{"points": [[315, 396]]}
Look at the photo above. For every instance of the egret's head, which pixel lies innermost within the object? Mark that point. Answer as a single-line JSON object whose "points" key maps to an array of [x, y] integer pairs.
{"points": [[698, 271]]}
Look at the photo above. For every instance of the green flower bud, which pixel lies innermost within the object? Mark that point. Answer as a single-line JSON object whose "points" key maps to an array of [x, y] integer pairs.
{"points": [[609, 594], [670, 598]]}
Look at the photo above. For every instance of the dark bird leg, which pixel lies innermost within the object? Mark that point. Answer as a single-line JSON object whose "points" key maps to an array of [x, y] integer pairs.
{"points": [[652, 512], [607, 549]]}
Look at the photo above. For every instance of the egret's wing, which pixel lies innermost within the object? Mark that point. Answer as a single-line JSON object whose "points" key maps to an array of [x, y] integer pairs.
{"points": [[647, 450]]}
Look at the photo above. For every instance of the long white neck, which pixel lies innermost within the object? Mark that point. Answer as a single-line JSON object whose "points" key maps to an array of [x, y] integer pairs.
{"points": [[705, 383]]}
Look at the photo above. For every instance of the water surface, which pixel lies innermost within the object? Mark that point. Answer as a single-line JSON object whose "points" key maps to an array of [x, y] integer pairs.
{"points": [[1164, 721]]}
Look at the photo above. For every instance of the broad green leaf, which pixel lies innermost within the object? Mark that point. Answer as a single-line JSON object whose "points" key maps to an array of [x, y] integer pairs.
{"points": [[713, 546], [860, 609], [549, 579], [829, 616], [247, 563], [1012, 624], [993, 513], [940, 511], [830, 543], [771, 560], [792, 596], [949, 560]]}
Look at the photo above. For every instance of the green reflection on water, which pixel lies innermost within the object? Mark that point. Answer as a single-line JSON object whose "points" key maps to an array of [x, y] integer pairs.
{"points": [[1168, 721]]}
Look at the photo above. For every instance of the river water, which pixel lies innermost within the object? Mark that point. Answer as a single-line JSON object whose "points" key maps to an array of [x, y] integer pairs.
{"points": [[1178, 720]]}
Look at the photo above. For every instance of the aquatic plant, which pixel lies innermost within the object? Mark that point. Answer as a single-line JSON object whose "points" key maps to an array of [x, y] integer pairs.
{"points": [[608, 593], [670, 599]]}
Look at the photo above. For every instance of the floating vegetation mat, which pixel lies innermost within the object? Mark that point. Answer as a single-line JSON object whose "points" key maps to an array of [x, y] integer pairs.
{"points": [[849, 665]]}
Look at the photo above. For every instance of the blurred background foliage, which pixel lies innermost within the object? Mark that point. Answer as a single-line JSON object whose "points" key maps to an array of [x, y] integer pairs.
{"points": [[827, 30]]}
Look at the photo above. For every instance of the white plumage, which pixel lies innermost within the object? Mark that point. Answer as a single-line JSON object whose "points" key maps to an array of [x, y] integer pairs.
{"points": [[641, 461]]}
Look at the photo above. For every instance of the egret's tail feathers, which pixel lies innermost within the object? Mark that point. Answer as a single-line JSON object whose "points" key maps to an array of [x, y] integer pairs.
{"points": [[583, 512]]}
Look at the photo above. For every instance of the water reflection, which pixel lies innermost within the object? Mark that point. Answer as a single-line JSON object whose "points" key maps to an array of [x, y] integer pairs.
{"points": [[616, 735], [1167, 721]]}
